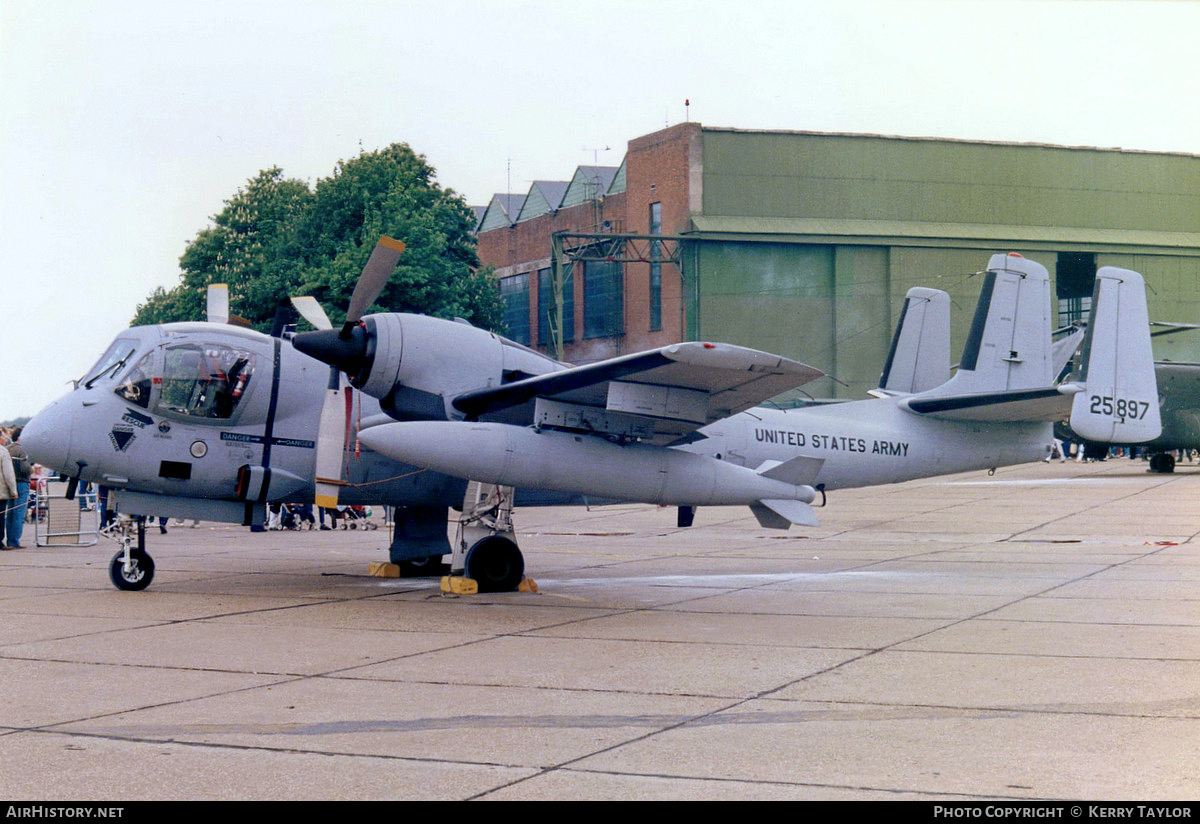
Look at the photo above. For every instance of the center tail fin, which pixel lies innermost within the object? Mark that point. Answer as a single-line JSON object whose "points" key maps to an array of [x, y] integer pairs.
{"points": [[1008, 347]]}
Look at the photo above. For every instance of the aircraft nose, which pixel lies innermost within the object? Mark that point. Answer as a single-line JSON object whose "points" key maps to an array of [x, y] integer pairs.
{"points": [[47, 436]]}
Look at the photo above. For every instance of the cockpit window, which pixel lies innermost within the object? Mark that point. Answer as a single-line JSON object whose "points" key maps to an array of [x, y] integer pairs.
{"points": [[204, 381], [111, 362], [135, 388]]}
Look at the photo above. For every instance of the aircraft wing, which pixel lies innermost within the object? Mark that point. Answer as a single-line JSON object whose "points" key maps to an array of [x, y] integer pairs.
{"points": [[656, 396]]}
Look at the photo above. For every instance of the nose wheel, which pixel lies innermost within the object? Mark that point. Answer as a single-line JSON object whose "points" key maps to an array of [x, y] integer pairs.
{"points": [[132, 568]]}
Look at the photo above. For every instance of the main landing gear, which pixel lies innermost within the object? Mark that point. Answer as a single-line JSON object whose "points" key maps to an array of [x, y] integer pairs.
{"points": [[485, 547], [132, 568]]}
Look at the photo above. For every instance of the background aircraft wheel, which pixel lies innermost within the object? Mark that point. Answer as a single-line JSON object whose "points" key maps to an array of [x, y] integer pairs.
{"points": [[495, 563], [1095, 451], [138, 577], [423, 567], [1162, 462]]}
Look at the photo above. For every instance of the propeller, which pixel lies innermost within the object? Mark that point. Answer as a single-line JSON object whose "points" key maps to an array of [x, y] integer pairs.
{"points": [[217, 306], [312, 311], [336, 410], [1171, 328], [372, 280], [334, 428], [218, 303]]}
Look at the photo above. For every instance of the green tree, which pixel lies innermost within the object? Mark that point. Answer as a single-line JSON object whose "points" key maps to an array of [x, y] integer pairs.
{"points": [[277, 238], [246, 248]]}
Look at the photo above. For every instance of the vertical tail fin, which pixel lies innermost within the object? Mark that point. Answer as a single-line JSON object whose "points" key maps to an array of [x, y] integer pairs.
{"points": [[1119, 402], [920, 355], [1008, 346]]}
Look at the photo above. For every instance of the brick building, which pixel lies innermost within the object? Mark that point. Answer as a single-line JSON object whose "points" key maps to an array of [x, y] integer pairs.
{"points": [[804, 244]]}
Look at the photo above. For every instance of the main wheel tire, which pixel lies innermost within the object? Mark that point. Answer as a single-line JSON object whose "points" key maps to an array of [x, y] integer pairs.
{"points": [[1095, 451], [495, 564], [1162, 462], [140, 574], [422, 567]]}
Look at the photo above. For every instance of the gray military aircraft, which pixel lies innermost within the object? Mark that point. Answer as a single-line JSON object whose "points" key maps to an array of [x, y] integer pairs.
{"points": [[675, 425], [207, 421]]}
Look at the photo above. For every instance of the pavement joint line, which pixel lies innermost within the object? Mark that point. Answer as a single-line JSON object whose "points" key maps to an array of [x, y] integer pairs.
{"points": [[264, 748], [806, 784]]}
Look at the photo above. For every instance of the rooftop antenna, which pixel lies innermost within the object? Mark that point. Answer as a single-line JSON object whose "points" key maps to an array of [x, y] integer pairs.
{"points": [[687, 116], [596, 154], [508, 174]]}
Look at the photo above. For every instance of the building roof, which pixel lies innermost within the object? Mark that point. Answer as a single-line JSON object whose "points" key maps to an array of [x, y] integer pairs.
{"points": [[588, 183], [501, 211], [544, 197]]}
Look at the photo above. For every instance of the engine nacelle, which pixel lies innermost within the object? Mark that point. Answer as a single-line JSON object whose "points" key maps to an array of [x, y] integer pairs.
{"points": [[416, 365]]}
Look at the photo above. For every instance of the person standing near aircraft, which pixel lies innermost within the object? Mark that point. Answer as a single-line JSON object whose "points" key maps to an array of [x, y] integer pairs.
{"points": [[15, 519], [8, 485]]}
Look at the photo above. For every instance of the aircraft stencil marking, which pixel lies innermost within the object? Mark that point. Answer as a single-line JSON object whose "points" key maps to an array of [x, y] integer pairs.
{"points": [[121, 436]]}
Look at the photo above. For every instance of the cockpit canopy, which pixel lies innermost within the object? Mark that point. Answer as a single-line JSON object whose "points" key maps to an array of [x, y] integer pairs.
{"points": [[191, 380]]}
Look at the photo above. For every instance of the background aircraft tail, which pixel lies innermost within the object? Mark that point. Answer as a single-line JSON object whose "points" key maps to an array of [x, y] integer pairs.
{"points": [[920, 355], [1119, 400], [1008, 346]]}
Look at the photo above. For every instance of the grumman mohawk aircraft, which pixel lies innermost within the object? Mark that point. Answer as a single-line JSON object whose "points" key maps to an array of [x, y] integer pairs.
{"points": [[200, 420]]}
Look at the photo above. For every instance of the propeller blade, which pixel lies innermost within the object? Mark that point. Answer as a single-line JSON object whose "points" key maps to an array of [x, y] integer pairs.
{"points": [[312, 311], [331, 443], [218, 303], [372, 280]]}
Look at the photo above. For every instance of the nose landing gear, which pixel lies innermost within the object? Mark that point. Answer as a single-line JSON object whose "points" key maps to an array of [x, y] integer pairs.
{"points": [[132, 568]]}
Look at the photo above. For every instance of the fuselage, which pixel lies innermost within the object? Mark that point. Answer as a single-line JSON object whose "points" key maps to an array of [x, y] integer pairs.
{"points": [[870, 442], [190, 412]]}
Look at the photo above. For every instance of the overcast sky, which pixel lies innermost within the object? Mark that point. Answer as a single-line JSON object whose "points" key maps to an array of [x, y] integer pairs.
{"points": [[126, 124]]}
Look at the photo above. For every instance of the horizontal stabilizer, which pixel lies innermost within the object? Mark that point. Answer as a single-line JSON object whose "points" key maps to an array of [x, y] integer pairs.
{"points": [[780, 514], [1119, 401], [799, 471], [1050, 403], [1063, 350]]}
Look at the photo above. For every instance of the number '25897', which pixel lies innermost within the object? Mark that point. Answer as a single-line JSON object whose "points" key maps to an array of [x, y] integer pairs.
{"points": [[1119, 407]]}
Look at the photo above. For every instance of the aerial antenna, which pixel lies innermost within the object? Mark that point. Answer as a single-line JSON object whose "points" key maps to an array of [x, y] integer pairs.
{"points": [[596, 154], [687, 116]]}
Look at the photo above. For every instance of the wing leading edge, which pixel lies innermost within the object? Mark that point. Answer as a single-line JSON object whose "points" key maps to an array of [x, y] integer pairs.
{"points": [[656, 396]]}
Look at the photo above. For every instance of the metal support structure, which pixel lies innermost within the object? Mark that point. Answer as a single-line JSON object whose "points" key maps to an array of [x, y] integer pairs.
{"points": [[487, 511], [568, 247]]}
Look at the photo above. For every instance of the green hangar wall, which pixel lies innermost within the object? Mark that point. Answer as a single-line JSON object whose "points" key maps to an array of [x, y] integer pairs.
{"points": [[804, 244]]}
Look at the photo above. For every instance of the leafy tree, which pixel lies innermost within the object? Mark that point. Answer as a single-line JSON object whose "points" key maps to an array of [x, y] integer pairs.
{"points": [[276, 238], [245, 248]]}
